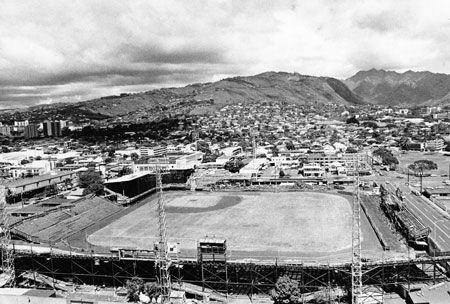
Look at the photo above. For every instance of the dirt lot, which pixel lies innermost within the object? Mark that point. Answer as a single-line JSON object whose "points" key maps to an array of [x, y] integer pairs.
{"points": [[255, 225]]}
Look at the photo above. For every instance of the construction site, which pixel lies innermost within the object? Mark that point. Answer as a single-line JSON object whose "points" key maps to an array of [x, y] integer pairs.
{"points": [[340, 246]]}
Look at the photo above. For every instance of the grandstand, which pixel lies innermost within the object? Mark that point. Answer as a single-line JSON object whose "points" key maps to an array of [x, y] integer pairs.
{"points": [[57, 224]]}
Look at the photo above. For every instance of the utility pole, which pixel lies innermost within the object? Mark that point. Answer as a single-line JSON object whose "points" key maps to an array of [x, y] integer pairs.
{"points": [[195, 139], [7, 277], [421, 180], [163, 259], [253, 133], [356, 240]]}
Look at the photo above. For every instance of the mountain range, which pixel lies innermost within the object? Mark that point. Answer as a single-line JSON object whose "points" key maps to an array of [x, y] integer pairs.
{"points": [[403, 89], [201, 97], [380, 87]]}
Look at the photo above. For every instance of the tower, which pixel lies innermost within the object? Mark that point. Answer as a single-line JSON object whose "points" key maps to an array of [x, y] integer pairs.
{"points": [[163, 259], [356, 240], [7, 277]]}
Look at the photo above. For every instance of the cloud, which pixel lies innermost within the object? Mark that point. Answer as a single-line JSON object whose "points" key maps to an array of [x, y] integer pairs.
{"points": [[61, 50]]}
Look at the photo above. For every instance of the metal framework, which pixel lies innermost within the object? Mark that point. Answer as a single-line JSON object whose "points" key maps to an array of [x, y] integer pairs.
{"points": [[224, 278], [7, 252], [356, 241], [163, 259]]}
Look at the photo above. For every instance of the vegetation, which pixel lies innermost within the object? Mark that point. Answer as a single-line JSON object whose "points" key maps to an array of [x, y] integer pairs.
{"points": [[234, 165], [352, 120], [423, 164], [92, 182], [286, 291], [387, 157], [136, 286], [124, 171]]}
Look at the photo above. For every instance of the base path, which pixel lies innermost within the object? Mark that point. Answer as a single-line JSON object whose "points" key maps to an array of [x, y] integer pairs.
{"points": [[255, 225]]}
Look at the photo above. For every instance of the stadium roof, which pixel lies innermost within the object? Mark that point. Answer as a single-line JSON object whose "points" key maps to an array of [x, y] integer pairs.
{"points": [[126, 178]]}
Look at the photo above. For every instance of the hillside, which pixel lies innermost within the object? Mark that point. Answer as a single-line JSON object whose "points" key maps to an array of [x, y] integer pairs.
{"points": [[407, 89], [196, 98]]}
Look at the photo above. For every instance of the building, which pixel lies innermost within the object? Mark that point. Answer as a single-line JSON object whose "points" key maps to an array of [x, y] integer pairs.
{"points": [[312, 170], [21, 123], [172, 162], [52, 128], [31, 131], [156, 151], [435, 144], [5, 130], [346, 159]]}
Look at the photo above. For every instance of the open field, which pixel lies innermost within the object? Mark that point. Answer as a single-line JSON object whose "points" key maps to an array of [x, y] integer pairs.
{"points": [[441, 160], [255, 225]]}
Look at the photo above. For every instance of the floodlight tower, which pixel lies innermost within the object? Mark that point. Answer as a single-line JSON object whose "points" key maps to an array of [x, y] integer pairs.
{"points": [[163, 258], [356, 240], [8, 273]]}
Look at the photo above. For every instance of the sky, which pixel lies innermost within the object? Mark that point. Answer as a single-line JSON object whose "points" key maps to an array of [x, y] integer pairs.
{"points": [[74, 50]]}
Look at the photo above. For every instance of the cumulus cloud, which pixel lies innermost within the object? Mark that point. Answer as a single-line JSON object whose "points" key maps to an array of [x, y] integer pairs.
{"points": [[61, 50]]}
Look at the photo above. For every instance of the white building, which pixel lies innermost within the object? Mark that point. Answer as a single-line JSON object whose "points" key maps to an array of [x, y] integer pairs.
{"points": [[185, 161], [435, 144], [312, 170]]}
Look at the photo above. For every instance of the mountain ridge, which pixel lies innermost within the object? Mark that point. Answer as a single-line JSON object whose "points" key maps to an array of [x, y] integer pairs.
{"points": [[194, 98], [410, 88]]}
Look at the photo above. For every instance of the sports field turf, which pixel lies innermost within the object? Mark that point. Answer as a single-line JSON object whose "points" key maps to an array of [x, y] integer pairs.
{"points": [[285, 224]]}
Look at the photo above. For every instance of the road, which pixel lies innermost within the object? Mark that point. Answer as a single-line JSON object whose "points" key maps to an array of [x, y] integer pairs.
{"points": [[422, 209]]}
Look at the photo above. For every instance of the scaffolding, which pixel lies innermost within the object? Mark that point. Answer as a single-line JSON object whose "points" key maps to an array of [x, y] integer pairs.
{"points": [[7, 277]]}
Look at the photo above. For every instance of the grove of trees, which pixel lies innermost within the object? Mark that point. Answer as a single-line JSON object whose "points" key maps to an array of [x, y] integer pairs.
{"points": [[423, 164], [92, 182]]}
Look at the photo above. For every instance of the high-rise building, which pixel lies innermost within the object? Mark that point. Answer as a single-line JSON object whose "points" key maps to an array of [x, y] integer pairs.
{"points": [[31, 131], [5, 130], [52, 128]]}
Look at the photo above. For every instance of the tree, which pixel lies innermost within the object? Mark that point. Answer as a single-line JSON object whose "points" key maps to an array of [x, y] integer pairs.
{"points": [[151, 289], [352, 120], [24, 161], [124, 171], [92, 182], [234, 165], [134, 288], [423, 164], [386, 156], [370, 124], [351, 150], [134, 156], [282, 174], [289, 145], [286, 291]]}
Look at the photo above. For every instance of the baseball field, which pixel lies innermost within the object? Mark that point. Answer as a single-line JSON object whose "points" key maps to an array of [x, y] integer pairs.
{"points": [[258, 225]]}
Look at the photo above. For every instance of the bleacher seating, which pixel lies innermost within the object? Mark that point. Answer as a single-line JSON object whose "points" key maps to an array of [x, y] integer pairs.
{"points": [[59, 224]]}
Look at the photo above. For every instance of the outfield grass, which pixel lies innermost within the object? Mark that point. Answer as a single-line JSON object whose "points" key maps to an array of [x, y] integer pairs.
{"points": [[254, 224]]}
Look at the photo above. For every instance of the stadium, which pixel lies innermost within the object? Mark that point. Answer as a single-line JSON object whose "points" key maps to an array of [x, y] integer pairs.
{"points": [[256, 225], [235, 241]]}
